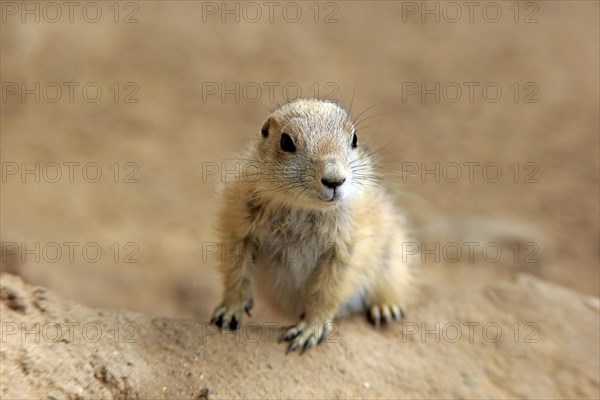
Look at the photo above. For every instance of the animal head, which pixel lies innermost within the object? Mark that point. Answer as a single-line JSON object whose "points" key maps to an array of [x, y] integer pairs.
{"points": [[312, 155]]}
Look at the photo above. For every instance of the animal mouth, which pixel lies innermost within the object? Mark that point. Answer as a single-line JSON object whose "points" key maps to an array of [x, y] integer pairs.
{"points": [[334, 196]]}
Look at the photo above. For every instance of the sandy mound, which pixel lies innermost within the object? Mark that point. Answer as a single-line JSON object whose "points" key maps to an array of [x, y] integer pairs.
{"points": [[525, 338]]}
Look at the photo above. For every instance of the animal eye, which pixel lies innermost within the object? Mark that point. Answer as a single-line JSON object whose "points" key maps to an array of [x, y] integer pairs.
{"points": [[354, 141], [287, 144]]}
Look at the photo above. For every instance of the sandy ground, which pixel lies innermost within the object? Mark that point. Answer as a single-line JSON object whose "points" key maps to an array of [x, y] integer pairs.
{"points": [[179, 95], [518, 352]]}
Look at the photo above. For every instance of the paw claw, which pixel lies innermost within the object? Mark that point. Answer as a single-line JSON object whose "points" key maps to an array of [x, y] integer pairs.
{"points": [[229, 316], [374, 316], [293, 346], [308, 344], [249, 306], [233, 324], [388, 313], [303, 336], [293, 332], [397, 313], [218, 321]]}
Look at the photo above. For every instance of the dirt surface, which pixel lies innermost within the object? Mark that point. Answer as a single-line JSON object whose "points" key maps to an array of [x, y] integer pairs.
{"points": [[178, 83], [521, 339]]}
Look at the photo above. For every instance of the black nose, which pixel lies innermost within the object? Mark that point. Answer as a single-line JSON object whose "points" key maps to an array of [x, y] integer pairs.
{"points": [[333, 183]]}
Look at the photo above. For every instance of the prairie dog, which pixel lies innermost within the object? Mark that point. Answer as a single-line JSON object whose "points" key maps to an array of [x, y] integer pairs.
{"points": [[311, 226]]}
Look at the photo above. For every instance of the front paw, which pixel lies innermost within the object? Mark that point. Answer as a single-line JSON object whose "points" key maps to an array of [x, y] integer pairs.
{"points": [[229, 316], [305, 335]]}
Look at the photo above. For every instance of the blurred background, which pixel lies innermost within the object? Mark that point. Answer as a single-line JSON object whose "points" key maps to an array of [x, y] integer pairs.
{"points": [[113, 115]]}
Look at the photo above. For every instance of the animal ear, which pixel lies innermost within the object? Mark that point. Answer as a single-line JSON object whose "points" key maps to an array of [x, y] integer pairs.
{"points": [[265, 127]]}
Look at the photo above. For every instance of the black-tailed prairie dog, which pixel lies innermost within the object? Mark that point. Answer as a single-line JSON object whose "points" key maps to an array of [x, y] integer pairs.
{"points": [[312, 226]]}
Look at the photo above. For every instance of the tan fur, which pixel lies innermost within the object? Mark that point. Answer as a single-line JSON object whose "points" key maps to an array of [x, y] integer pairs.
{"points": [[311, 257]]}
